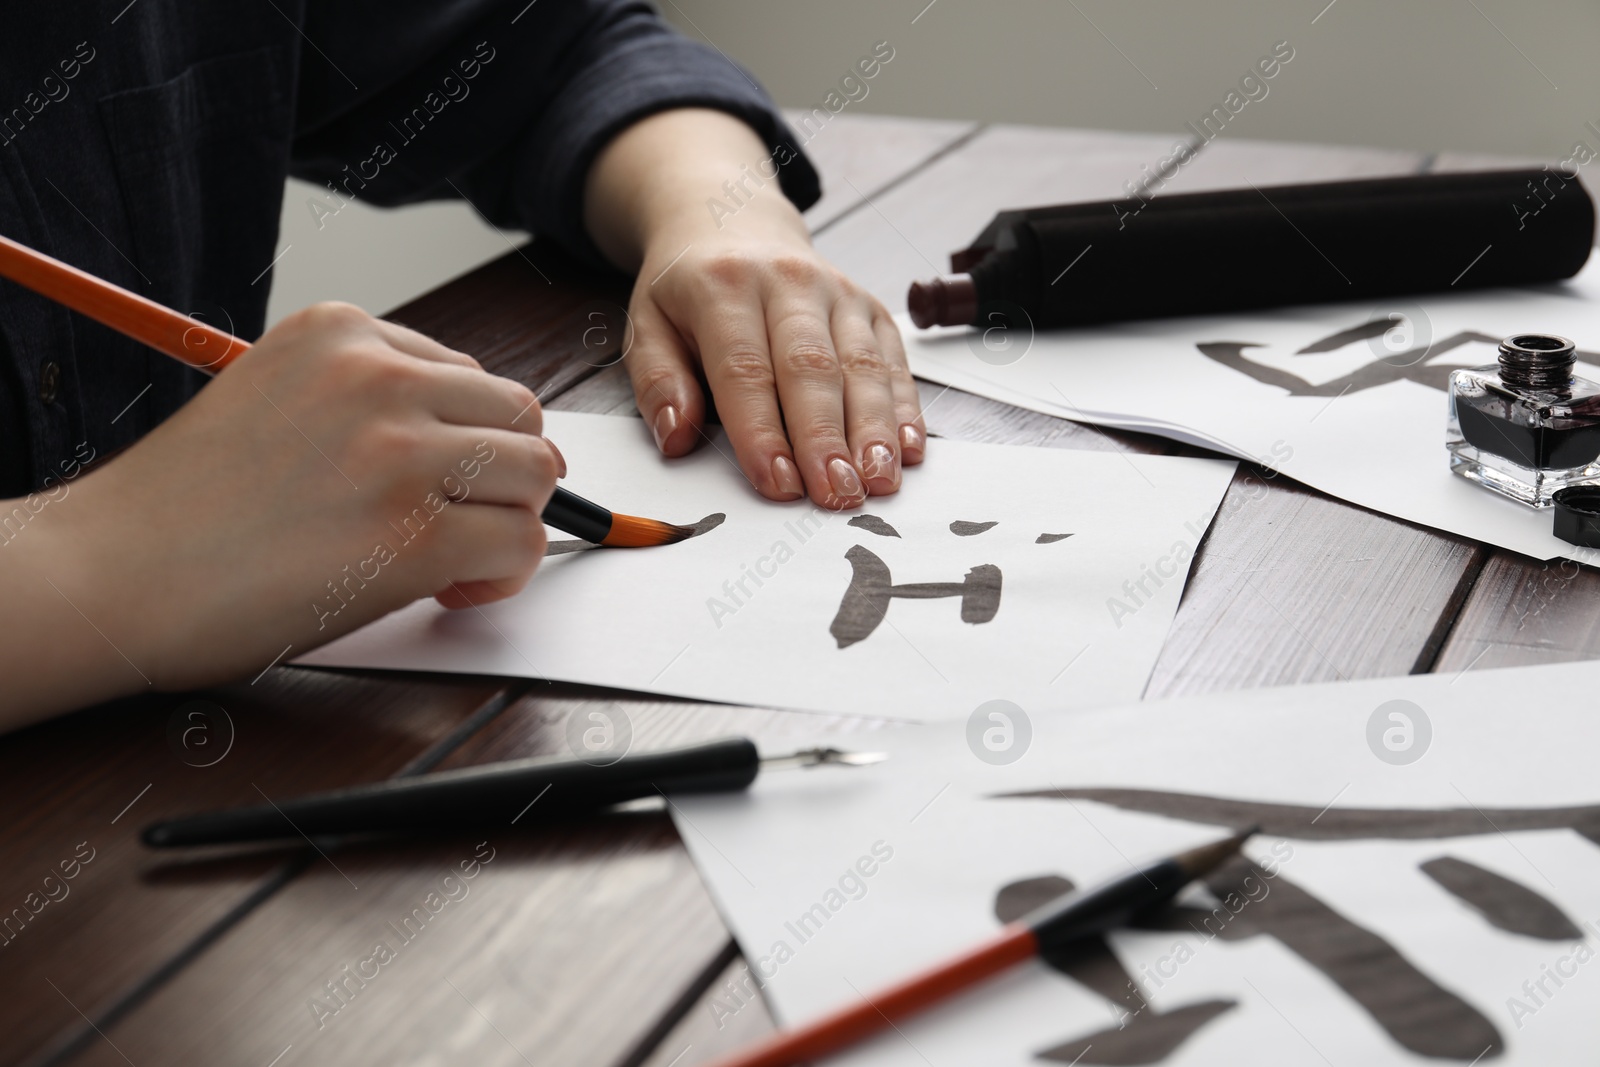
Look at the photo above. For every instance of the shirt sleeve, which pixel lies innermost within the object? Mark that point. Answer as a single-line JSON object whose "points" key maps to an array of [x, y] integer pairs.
{"points": [[506, 104]]}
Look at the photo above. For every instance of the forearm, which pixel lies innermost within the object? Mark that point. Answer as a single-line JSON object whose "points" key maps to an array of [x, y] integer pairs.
{"points": [[662, 176], [53, 656]]}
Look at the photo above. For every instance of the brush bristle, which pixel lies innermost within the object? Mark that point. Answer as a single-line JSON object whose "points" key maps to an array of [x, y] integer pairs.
{"points": [[630, 531], [1200, 861]]}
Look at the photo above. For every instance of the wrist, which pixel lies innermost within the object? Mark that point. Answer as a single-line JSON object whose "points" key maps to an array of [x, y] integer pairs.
{"points": [[53, 574], [680, 176], [767, 221]]}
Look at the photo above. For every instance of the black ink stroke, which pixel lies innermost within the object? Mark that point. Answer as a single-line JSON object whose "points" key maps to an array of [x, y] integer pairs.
{"points": [[1335, 341], [1143, 1034], [874, 525], [1415, 1010], [962, 528], [1509, 905], [1335, 824], [866, 599], [1405, 366]]}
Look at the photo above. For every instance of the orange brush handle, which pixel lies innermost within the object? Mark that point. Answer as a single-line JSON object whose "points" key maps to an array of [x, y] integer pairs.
{"points": [[831, 1033], [203, 347]]}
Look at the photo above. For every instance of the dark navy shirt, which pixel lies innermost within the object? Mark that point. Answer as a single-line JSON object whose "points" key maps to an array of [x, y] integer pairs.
{"points": [[148, 143]]}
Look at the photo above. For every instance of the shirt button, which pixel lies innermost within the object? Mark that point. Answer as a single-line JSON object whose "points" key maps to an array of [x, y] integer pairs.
{"points": [[49, 382]]}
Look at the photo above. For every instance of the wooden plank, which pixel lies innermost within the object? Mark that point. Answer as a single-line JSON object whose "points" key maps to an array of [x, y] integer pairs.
{"points": [[909, 231], [606, 393], [1523, 612], [523, 315], [728, 1016], [861, 154], [95, 778], [1293, 586], [564, 949]]}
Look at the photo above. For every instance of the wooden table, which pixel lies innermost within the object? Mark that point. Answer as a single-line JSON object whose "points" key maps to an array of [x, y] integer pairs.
{"points": [[596, 943]]}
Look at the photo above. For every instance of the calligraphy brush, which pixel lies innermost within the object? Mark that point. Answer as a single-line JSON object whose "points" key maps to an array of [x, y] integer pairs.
{"points": [[1045, 931], [209, 349], [478, 796]]}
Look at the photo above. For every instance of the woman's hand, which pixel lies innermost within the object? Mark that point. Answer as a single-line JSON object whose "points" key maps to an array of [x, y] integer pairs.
{"points": [[340, 469], [806, 370]]}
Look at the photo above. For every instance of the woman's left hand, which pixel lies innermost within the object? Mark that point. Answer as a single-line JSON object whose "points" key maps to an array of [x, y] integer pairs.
{"points": [[805, 368]]}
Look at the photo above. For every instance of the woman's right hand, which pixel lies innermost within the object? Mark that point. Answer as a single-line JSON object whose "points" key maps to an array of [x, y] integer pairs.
{"points": [[340, 469]]}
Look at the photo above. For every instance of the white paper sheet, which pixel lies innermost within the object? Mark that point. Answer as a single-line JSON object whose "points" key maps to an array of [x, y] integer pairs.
{"points": [[746, 612], [1381, 447], [939, 845]]}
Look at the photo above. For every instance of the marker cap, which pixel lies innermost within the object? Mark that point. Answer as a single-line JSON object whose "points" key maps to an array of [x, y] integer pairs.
{"points": [[948, 301]]}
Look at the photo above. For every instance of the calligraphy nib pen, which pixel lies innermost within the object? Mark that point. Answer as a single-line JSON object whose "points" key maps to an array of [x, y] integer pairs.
{"points": [[209, 349], [1045, 931], [479, 796]]}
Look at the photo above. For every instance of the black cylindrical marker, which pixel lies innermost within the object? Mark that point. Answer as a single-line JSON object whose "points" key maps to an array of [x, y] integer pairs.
{"points": [[1234, 250]]}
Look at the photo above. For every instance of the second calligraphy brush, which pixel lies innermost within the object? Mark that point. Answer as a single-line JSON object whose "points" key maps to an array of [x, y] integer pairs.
{"points": [[209, 349], [1057, 926]]}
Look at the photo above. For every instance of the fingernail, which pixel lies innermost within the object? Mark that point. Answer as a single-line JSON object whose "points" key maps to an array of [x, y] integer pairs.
{"points": [[878, 464], [786, 477], [561, 461], [666, 422], [912, 439], [846, 483]]}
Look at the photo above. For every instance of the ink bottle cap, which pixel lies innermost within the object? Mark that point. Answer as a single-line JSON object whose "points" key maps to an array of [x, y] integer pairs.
{"points": [[1537, 361], [1577, 519]]}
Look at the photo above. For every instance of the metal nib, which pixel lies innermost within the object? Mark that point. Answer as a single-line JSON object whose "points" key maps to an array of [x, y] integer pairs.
{"points": [[817, 757]]}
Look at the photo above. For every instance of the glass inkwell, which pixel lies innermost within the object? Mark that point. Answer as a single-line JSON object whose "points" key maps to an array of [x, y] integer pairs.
{"points": [[1526, 427]]}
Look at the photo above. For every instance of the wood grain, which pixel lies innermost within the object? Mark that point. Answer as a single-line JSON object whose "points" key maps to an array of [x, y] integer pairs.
{"points": [[861, 154], [523, 315], [99, 776], [565, 949], [729, 1016], [1292, 586], [1523, 612]]}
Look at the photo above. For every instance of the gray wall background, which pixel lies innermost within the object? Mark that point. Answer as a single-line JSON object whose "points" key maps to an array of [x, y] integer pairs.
{"points": [[1492, 76], [1513, 76]]}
